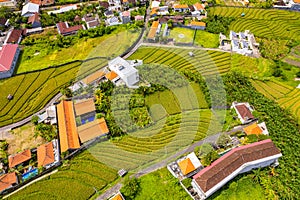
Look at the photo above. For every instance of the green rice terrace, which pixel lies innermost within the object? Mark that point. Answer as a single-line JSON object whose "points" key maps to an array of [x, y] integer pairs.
{"points": [[263, 23]]}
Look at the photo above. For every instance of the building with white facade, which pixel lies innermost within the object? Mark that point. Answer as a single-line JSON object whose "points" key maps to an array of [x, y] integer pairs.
{"points": [[30, 9], [244, 111], [126, 70], [9, 55], [239, 160]]}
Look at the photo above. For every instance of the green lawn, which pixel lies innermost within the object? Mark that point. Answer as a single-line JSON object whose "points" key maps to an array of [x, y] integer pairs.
{"points": [[243, 188], [182, 35], [85, 48], [77, 180], [206, 39], [161, 185]]}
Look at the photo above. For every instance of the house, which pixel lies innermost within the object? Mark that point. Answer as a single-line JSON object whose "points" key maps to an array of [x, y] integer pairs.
{"points": [[113, 21], [155, 4], [189, 164], [47, 154], [112, 76], [30, 31], [139, 18], [43, 2], [256, 129], [198, 25], [126, 70], [154, 30], [198, 9], [17, 159], [8, 3], [92, 130], [4, 22], [117, 196], [115, 5], [34, 20], [49, 116], [104, 4], [93, 78], [125, 17], [8, 59], [244, 112], [237, 161], [85, 110], [91, 22], [64, 29], [108, 13], [181, 8], [8, 180], [68, 135], [14, 36], [63, 9], [29, 9]]}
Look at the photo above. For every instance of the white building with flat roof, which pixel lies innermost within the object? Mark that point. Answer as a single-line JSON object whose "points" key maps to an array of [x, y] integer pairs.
{"points": [[126, 70]]}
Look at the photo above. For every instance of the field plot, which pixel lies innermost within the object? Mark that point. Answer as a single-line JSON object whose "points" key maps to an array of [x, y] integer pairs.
{"points": [[84, 49], [182, 35], [158, 141], [263, 23], [206, 39], [286, 96], [204, 62], [79, 179], [294, 57]]}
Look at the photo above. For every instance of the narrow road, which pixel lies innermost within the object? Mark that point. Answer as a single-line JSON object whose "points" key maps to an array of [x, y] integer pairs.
{"points": [[113, 190]]}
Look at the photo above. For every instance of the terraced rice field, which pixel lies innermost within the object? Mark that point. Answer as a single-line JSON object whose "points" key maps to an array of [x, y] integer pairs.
{"points": [[204, 62], [286, 96], [79, 180], [158, 141], [33, 90], [294, 57], [263, 23]]}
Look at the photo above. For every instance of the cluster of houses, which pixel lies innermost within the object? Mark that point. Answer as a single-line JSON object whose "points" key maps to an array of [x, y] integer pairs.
{"points": [[205, 181], [242, 43]]}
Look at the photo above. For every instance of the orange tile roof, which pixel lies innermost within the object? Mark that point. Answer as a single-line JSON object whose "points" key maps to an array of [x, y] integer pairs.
{"points": [[181, 6], [7, 180], [92, 129], [84, 106], [186, 166], [68, 136], [154, 11], [111, 75], [198, 6], [45, 154], [194, 23], [117, 197], [296, 1], [93, 77], [253, 129], [19, 158], [153, 29]]}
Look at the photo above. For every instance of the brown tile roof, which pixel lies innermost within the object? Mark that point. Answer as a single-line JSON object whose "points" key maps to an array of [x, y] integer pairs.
{"points": [[244, 112], [227, 164], [92, 129], [111, 75], [153, 29], [186, 166], [93, 77], [7, 180], [15, 35], [253, 129], [65, 30], [45, 154], [68, 136], [33, 18], [19, 158], [194, 23], [104, 4], [84, 106]]}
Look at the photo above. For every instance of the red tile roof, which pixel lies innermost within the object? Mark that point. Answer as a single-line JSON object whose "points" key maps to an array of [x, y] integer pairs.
{"points": [[14, 36], [65, 30], [7, 55], [244, 112], [45, 154], [42, 2], [126, 14], [7, 180], [19, 158], [227, 164]]}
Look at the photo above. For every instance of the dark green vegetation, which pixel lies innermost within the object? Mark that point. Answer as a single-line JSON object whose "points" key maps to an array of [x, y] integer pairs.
{"points": [[284, 131], [160, 185], [79, 178]]}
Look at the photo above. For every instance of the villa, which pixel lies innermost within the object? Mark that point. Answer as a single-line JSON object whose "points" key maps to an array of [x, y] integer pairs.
{"points": [[47, 154], [237, 161], [64, 28], [20, 158], [8, 180]]}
